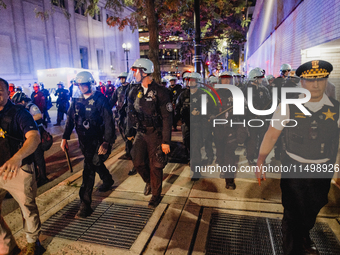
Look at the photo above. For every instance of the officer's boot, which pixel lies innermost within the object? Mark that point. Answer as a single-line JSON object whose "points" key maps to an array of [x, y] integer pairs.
{"points": [[230, 183]]}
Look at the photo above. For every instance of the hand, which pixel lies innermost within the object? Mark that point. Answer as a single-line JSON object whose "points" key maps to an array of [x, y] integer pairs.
{"points": [[260, 175], [64, 144], [165, 148], [10, 168], [103, 148]]}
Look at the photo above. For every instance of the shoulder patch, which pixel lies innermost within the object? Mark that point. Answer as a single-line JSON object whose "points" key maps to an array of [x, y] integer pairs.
{"points": [[169, 107]]}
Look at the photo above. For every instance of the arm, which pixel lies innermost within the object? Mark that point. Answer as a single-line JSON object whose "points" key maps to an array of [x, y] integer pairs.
{"points": [[267, 145], [31, 143], [166, 112]]}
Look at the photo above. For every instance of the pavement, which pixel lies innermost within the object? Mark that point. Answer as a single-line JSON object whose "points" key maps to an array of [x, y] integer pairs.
{"points": [[180, 224]]}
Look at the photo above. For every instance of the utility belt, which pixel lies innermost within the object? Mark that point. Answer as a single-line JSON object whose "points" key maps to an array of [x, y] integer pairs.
{"points": [[147, 121]]}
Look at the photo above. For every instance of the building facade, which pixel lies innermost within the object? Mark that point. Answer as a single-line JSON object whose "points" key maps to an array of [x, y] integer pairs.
{"points": [[293, 32], [29, 43]]}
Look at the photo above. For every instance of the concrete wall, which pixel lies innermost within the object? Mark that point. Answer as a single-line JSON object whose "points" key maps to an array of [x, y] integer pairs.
{"points": [[28, 43], [281, 29]]}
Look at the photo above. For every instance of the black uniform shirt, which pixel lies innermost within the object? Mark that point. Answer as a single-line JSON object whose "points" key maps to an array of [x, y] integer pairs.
{"points": [[155, 102], [99, 106]]}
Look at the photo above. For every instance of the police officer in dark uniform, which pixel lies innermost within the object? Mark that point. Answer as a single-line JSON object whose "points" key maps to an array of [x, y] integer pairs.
{"points": [[118, 98], [110, 89], [175, 91], [150, 113], [261, 101], [312, 144], [62, 102], [227, 135], [92, 118], [194, 124], [48, 104]]}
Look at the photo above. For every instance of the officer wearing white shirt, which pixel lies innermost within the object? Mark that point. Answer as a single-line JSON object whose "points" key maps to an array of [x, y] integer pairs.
{"points": [[312, 144]]}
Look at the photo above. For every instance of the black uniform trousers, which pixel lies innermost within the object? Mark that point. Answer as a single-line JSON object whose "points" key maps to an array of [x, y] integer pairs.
{"points": [[62, 109], [93, 163], [144, 158], [302, 200], [186, 137], [197, 135], [128, 143], [226, 144], [254, 140]]}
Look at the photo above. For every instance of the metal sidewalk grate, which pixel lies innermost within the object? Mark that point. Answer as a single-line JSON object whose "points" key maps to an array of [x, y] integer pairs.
{"points": [[239, 235], [110, 224]]}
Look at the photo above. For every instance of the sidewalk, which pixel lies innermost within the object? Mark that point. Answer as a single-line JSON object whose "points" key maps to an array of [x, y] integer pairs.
{"points": [[181, 224]]}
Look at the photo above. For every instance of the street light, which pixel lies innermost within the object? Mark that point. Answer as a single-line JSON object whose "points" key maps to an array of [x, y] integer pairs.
{"points": [[225, 44], [127, 47]]}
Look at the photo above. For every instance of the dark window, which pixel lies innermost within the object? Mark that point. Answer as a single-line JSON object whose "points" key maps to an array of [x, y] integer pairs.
{"points": [[84, 60], [100, 59], [99, 16]]}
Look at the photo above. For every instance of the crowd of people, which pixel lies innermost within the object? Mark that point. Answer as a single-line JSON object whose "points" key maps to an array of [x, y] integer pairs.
{"points": [[146, 113]]}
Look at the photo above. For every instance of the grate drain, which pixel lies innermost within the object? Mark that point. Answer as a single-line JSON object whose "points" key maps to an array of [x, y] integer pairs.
{"points": [[239, 235], [110, 224]]}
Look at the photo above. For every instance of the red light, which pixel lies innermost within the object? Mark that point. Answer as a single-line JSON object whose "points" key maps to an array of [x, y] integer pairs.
{"points": [[208, 63]]}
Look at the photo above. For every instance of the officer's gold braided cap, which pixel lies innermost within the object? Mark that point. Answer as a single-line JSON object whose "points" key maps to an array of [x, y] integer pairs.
{"points": [[314, 69]]}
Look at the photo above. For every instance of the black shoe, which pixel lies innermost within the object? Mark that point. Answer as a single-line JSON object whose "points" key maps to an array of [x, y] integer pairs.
{"points": [[106, 186], [230, 184], [196, 177], [42, 182], [133, 171], [83, 212], [154, 201], [147, 189], [309, 246], [56, 124]]}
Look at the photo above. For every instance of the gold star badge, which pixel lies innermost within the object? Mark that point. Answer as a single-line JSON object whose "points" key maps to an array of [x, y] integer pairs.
{"points": [[91, 102], [2, 133], [329, 114]]}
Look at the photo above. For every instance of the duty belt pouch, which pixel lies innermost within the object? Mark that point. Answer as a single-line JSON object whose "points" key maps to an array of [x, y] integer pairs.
{"points": [[161, 158]]}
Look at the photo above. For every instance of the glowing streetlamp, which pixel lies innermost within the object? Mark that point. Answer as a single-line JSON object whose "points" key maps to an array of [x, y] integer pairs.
{"points": [[127, 47]]}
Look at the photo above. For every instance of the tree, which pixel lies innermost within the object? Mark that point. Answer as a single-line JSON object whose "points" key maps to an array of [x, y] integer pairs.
{"points": [[219, 18]]}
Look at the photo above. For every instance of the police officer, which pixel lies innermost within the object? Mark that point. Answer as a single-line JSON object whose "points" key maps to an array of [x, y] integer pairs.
{"points": [[48, 102], [312, 143], [17, 171], [281, 80], [110, 88], [261, 100], [118, 98], [38, 97], [164, 82], [92, 118], [175, 91], [194, 124], [62, 102], [150, 112], [227, 135], [20, 98]]}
